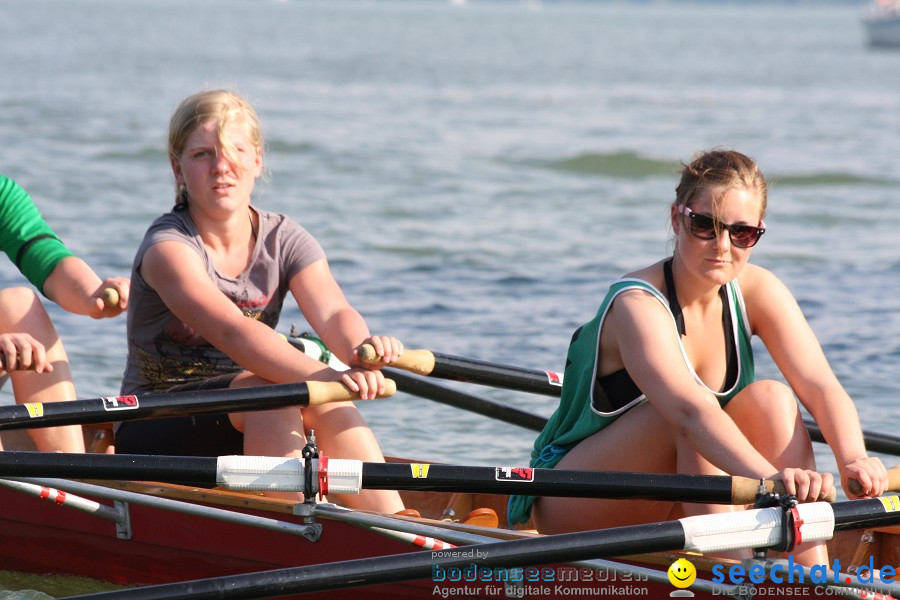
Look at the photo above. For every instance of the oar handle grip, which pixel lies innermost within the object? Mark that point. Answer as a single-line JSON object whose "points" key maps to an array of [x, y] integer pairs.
{"points": [[110, 296], [743, 490], [3, 363], [420, 362], [893, 482], [323, 392]]}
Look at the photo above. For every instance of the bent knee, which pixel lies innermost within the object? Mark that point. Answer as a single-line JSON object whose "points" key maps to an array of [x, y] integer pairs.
{"points": [[770, 395], [17, 295], [15, 304], [772, 400]]}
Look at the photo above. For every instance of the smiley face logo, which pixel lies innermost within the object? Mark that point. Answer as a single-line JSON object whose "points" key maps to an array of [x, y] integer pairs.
{"points": [[682, 573]]}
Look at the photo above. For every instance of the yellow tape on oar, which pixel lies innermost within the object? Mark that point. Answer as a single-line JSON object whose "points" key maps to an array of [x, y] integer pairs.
{"points": [[891, 503], [35, 409], [419, 471]]}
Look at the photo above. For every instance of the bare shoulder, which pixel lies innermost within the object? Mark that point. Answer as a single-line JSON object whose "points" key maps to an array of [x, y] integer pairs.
{"points": [[759, 282], [767, 299]]}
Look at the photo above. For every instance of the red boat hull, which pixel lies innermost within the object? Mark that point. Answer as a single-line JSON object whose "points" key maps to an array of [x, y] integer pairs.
{"points": [[40, 537]]}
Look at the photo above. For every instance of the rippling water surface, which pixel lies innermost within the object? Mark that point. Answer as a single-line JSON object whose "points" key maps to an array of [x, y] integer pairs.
{"points": [[478, 175]]}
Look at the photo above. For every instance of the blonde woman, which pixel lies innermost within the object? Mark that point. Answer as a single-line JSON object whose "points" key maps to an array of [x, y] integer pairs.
{"points": [[209, 280]]}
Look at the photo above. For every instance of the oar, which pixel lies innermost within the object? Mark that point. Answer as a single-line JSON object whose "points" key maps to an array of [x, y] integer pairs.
{"points": [[445, 366], [714, 489], [110, 296], [348, 476], [158, 405], [875, 442], [424, 388], [759, 528]]}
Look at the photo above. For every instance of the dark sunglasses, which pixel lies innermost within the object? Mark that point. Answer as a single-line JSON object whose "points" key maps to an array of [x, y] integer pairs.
{"points": [[705, 227]]}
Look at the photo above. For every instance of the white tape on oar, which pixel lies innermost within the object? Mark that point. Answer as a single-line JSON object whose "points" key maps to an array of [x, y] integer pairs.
{"points": [[260, 473], [265, 473], [754, 528], [340, 475]]}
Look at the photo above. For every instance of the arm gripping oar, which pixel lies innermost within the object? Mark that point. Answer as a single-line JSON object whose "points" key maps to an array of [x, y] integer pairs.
{"points": [[173, 404]]}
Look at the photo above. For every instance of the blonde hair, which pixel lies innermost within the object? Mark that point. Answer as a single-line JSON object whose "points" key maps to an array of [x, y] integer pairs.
{"points": [[722, 170], [223, 107]]}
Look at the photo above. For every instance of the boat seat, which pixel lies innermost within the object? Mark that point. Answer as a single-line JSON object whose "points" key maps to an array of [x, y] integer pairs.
{"points": [[483, 517]]}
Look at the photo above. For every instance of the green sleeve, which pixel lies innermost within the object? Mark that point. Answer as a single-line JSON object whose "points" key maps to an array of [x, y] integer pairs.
{"points": [[25, 237]]}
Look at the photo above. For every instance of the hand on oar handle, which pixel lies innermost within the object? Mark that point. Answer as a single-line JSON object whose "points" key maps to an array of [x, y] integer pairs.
{"points": [[743, 490], [893, 482], [19, 367], [415, 361], [322, 392], [110, 296]]}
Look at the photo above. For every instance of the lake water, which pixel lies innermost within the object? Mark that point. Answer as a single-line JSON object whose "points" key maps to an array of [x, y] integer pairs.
{"points": [[477, 174]]}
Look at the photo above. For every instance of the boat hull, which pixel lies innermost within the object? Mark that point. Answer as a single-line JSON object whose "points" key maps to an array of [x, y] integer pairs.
{"points": [[40, 537]]}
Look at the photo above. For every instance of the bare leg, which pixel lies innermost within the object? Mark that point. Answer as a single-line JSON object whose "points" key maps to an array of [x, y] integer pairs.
{"points": [[781, 437], [341, 432], [642, 441], [22, 311]]}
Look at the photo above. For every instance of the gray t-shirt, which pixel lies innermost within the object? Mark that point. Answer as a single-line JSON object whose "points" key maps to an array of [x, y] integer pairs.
{"points": [[162, 350]]}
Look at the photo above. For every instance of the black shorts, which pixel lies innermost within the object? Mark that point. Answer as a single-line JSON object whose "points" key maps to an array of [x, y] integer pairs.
{"points": [[201, 435]]}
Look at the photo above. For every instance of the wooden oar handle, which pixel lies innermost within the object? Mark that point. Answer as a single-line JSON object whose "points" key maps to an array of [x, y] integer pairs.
{"points": [[415, 361], [743, 490], [893, 482], [110, 296], [323, 392]]}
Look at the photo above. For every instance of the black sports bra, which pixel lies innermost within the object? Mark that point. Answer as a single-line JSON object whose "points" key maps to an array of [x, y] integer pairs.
{"points": [[620, 389]]}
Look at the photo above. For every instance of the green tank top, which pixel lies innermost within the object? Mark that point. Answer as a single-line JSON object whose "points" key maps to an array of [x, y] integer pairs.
{"points": [[25, 237], [576, 417]]}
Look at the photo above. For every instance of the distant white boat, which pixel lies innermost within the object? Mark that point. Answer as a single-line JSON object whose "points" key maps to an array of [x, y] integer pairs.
{"points": [[882, 23]]}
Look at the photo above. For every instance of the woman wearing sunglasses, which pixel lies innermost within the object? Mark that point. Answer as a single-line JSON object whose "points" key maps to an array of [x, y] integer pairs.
{"points": [[662, 379]]}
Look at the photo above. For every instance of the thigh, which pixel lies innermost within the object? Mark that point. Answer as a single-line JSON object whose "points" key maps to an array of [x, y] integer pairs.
{"points": [[201, 435], [198, 435], [639, 441], [768, 415]]}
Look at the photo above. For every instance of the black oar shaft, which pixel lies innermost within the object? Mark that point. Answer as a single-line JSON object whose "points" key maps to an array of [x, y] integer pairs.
{"points": [[523, 481], [459, 368], [547, 482], [423, 388], [145, 406], [419, 565], [172, 404], [198, 470], [875, 442], [351, 476]]}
